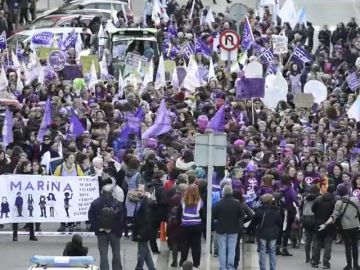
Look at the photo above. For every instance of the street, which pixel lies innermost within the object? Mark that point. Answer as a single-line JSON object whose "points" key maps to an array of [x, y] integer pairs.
{"points": [[16, 255]]}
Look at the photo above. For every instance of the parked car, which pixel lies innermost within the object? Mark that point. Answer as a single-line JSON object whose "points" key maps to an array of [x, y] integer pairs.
{"points": [[101, 5], [26, 35]]}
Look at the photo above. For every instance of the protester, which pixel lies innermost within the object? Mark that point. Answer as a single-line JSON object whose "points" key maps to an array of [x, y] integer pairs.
{"points": [[346, 212], [142, 231], [268, 224], [106, 217], [75, 247], [190, 215], [322, 208], [136, 124], [308, 220]]}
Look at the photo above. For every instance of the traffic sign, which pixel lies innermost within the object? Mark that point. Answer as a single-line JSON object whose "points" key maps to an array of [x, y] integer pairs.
{"points": [[229, 40]]}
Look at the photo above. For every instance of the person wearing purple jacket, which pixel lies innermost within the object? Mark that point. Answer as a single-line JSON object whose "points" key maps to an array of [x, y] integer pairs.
{"points": [[251, 183], [290, 201], [310, 176]]}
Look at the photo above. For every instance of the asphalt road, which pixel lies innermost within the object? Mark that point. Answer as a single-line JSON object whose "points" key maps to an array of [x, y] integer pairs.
{"points": [[16, 255]]}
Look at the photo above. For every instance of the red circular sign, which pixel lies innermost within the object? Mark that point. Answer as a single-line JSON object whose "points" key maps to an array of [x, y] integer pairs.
{"points": [[229, 40]]}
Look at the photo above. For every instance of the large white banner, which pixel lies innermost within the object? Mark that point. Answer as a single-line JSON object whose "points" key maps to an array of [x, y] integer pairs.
{"points": [[34, 198]]}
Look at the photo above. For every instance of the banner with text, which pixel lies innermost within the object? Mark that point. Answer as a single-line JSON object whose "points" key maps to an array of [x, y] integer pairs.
{"points": [[36, 198]]}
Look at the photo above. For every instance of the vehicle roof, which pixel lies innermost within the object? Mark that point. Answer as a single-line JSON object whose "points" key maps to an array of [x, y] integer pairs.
{"points": [[112, 30], [63, 16], [55, 30], [76, 2]]}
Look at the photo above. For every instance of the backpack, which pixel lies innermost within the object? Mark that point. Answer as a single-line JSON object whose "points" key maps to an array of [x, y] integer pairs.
{"points": [[107, 217], [308, 217]]}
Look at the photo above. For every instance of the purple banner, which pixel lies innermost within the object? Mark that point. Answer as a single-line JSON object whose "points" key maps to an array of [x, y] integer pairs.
{"points": [[43, 38]]}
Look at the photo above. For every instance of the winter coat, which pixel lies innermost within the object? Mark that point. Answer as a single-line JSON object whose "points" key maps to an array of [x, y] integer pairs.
{"points": [[350, 218], [95, 213], [322, 208], [268, 222], [228, 213], [142, 229]]}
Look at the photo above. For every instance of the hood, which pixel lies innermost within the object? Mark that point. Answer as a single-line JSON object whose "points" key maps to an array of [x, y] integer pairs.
{"points": [[327, 196], [311, 197], [130, 172]]}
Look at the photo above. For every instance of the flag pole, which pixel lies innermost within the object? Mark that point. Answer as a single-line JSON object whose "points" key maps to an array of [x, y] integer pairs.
{"points": [[252, 111], [192, 9], [291, 55]]}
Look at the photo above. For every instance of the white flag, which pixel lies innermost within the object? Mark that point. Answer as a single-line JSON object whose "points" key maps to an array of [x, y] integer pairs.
{"points": [[121, 85], [160, 74], [114, 15], [19, 83], [354, 111], [175, 79], [4, 83], [209, 19], [93, 76], [192, 78], [149, 74], [103, 68], [288, 13], [15, 60], [211, 74], [156, 12], [78, 46], [101, 35]]}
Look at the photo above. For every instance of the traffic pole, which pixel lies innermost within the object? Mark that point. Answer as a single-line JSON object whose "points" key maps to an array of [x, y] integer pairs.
{"points": [[209, 198]]}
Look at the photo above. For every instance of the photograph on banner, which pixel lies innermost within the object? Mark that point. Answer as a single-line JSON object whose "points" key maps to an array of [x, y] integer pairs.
{"points": [[37, 198], [135, 63], [86, 62], [280, 44]]}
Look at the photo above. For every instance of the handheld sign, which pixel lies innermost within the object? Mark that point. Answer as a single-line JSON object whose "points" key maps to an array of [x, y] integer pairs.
{"points": [[57, 60], [229, 40]]}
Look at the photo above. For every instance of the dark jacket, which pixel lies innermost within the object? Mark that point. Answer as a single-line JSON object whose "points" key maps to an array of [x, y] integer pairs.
{"points": [[322, 208], [268, 222], [72, 249], [228, 213], [95, 212], [142, 228]]}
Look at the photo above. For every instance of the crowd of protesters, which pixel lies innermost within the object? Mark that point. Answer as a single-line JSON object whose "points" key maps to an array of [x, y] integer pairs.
{"points": [[294, 173]]}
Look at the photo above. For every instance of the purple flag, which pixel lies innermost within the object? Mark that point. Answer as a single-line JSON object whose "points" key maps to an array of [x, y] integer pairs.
{"points": [[69, 41], [250, 88], [217, 122], [188, 49], [133, 125], [247, 36], [134, 121], [162, 122], [202, 48], [43, 38], [76, 127], [267, 56], [7, 130], [3, 41], [46, 121], [353, 81], [301, 56]]}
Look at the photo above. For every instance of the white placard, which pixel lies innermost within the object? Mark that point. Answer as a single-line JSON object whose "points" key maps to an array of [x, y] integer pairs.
{"points": [[34, 198]]}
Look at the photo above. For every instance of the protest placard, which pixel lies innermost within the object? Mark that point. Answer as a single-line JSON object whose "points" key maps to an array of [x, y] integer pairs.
{"points": [[304, 100], [37, 198], [279, 44], [43, 52], [86, 62], [134, 63]]}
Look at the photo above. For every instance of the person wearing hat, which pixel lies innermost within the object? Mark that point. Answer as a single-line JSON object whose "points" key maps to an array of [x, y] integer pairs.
{"points": [[268, 225], [346, 212]]}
